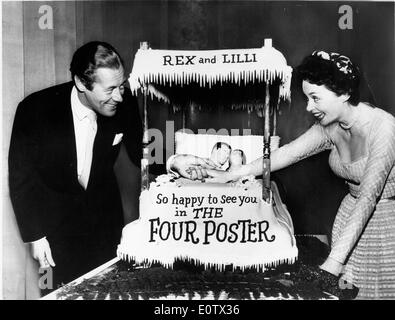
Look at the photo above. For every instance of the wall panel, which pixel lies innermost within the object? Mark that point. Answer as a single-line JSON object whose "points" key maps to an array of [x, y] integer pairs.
{"points": [[39, 50], [14, 251], [64, 38], [93, 20]]}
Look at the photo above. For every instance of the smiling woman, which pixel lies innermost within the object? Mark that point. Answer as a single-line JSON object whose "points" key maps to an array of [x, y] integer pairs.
{"points": [[361, 138], [331, 85], [325, 105]]}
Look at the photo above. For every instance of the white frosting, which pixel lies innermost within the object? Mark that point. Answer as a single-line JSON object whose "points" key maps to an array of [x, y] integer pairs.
{"points": [[269, 242], [208, 67]]}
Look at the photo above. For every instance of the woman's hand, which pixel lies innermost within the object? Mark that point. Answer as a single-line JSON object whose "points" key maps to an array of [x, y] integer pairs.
{"points": [[192, 167], [332, 266], [221, 176]]}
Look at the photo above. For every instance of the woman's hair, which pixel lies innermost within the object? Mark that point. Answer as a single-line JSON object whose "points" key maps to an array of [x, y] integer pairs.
{"points": [[333, 70], [91, 56]]}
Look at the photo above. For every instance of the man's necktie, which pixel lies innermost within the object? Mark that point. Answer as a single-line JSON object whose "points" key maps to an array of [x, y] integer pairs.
{"points": [[91, 133]]}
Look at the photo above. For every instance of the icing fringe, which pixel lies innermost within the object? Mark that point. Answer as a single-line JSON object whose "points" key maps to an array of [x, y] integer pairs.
{"points": [[205, 80], [260, 267], [149, 68]]}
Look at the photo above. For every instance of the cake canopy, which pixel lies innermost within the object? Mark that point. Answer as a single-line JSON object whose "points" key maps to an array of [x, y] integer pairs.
{"points": [[251, 78], [166, 74]]}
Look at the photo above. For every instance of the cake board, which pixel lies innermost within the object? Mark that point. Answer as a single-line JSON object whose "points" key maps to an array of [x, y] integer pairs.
{"points": [[116, 280]]}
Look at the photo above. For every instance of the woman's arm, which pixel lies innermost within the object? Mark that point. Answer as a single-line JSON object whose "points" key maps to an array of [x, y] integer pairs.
{"points": [[381, 160], [311, 142]]}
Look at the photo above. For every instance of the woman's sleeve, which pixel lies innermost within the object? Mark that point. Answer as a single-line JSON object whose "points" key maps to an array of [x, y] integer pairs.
{"points": [[313, 141], [381, 159]]}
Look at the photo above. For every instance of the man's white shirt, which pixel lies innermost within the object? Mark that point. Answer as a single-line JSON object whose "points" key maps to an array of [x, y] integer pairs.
{"points": [[84, 136]]}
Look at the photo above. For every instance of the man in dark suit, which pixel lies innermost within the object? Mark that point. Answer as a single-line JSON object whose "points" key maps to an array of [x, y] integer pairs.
{"points": [[64, 143]]}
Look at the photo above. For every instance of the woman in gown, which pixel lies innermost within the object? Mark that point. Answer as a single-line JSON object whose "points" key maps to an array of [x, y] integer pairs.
{"points": [[361, 138]]}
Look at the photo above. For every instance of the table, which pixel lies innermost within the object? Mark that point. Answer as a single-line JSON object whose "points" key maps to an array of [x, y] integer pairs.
{"points": [[117, 280]]}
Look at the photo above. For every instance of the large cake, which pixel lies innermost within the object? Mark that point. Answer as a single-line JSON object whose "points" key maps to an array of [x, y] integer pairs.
{"points": [[215, 225], [211, 224]]}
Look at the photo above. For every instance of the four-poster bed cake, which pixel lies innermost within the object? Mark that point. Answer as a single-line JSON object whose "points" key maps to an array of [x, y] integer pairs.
{"points": [[197, 240], [215, 225]]}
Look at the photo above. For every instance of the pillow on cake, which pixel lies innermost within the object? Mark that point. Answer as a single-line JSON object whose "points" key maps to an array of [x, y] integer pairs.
{"points": [[202, 144]]}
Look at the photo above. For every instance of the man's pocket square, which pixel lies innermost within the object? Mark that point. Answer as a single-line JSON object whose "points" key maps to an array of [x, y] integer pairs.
{"points": [[117, 139]]}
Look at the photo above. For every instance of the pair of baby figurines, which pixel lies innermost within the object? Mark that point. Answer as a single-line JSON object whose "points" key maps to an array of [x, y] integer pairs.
{"points": [[226, 158]]}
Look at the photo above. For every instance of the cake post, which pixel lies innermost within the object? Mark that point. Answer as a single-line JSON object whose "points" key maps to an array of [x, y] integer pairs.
{"points": [[184, 117], [266, 148], [266, 194], [275, 110], [145, 142]]}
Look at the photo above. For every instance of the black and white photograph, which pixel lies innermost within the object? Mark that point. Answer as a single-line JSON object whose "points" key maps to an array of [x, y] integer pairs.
{"points": [[198, 150]]}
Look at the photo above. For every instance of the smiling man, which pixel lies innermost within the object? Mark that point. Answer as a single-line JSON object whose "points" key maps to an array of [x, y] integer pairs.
{"points": [[64, 143]]}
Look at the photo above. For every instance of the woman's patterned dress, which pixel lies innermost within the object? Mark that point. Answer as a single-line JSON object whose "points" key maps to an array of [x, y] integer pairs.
{"points": [[363, 235]]}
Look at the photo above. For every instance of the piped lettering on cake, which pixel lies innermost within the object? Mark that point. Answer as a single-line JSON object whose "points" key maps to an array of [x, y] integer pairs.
{"points": [[208, 211], [242, 231], [214, 226], [210, 58]]}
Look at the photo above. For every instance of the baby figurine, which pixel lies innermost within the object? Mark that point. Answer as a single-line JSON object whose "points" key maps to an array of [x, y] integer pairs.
{"points": [[220, 155], [236, 159]]}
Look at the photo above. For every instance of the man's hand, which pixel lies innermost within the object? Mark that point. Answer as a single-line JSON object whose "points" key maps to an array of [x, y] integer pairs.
{"points": [[192, 167], [41, 252]]}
